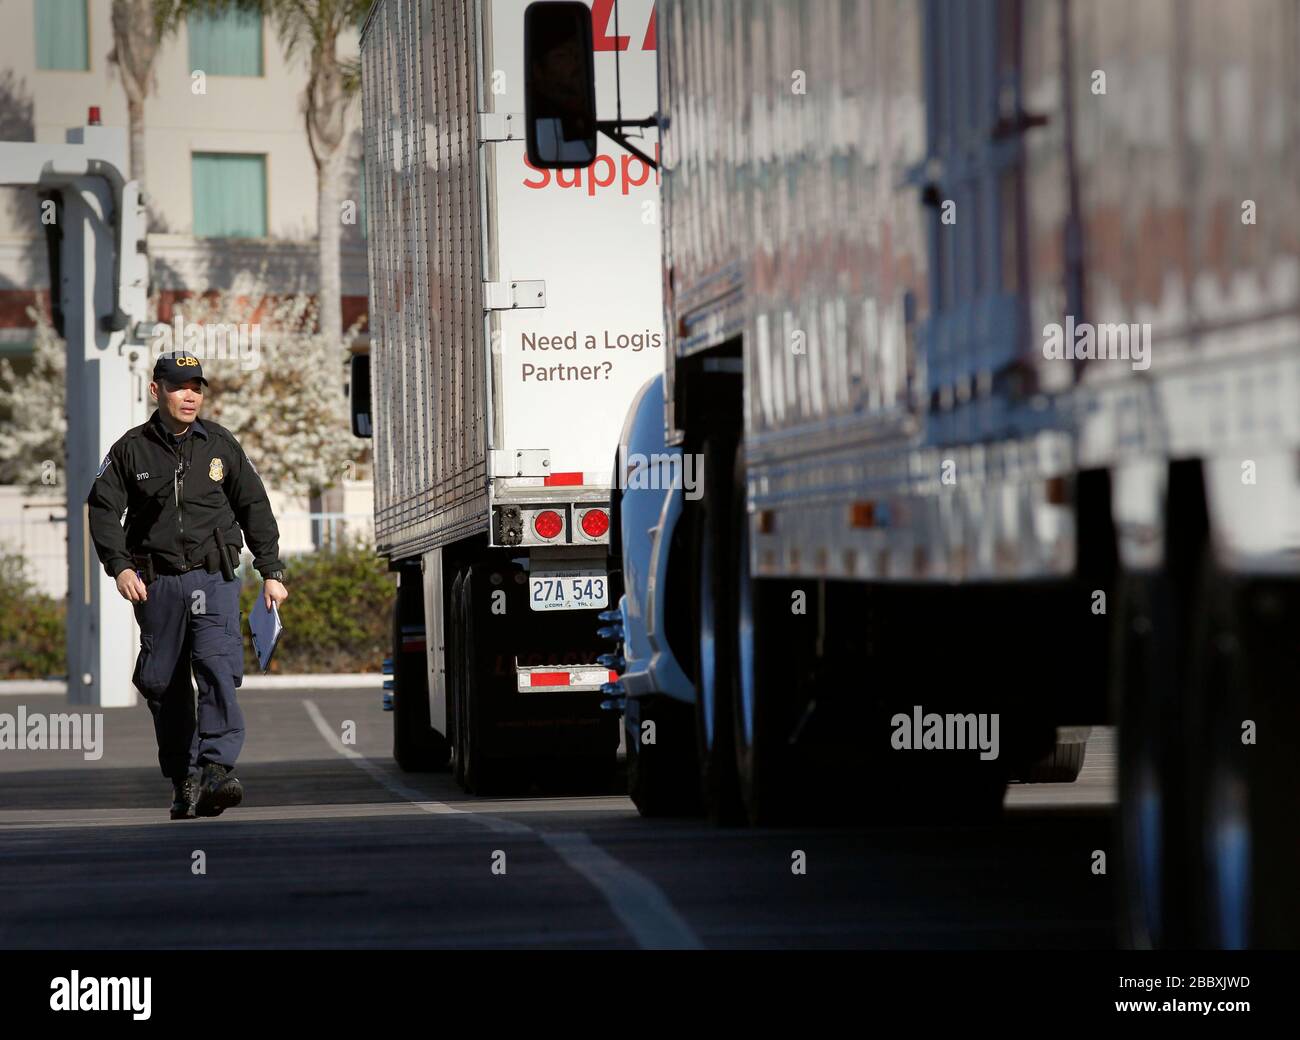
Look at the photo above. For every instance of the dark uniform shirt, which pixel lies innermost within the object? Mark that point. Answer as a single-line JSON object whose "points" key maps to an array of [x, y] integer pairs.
{"points": [[175, 492]]}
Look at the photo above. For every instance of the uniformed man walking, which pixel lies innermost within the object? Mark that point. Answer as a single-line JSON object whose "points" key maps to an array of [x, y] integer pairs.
{"points": [[190, 495]]}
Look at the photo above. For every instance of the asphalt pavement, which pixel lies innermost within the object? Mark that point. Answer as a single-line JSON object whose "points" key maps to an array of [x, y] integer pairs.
{"points": [[335, 847]]}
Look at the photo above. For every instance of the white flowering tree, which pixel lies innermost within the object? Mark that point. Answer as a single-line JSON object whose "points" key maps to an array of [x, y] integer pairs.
{"points": [[275, 382], [282, 393], [33, 436]]}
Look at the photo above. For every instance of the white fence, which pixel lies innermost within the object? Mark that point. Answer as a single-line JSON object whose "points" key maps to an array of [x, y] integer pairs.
{"points": [[35, 528]]}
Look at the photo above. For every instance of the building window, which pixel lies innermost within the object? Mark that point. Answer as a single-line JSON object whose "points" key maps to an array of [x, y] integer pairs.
{"points": [[229, 195], [226, 44], [62, 35]]}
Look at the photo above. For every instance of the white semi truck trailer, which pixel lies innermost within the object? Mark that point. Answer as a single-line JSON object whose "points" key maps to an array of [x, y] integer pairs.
{"points": [[985, 324], [514, 312]]}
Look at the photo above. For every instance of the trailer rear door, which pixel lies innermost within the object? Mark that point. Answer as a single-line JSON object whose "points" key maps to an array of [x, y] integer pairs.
{"points": [[589, 240]]}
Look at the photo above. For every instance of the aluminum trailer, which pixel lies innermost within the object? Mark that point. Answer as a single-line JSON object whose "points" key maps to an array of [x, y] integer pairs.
{"points": [[514, 312], [985, 325]]}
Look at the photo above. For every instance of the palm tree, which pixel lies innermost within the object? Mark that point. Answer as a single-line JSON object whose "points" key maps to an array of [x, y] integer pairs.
{"points": [[333, 83], [136, 37], [140, 26]]}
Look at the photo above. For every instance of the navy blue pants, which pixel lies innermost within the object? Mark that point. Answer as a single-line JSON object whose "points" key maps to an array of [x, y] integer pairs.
{"points": [[190, 622]]}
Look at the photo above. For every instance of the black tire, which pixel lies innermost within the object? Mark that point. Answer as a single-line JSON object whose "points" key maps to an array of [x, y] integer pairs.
{"points": [[1062, 766], [456, 668], [1244, 796], [663, 778], [417, 746], [773, 648], [714, 624], [484, 774], [1148, 662]]}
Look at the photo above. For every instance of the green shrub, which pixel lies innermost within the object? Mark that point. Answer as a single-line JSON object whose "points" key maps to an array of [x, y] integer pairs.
{"points": [[338, 617], [32, 625]]}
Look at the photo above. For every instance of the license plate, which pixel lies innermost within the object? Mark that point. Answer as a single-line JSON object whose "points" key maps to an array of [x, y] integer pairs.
{"points": [[567, 589]]}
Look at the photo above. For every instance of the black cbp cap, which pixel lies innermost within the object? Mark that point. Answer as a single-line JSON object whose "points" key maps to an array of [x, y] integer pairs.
{"points": [[176, 367]]}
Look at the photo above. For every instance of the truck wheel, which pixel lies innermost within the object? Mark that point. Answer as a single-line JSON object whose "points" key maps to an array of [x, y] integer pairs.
{"points": [[714, 624], [483, 774], [1062, 766], [417, 746], [1245, 799], [1148, 709], [662, 777], [456, 667], [772, 643]]}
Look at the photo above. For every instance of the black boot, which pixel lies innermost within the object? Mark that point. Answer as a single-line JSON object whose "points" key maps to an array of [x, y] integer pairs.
{"points": [[185, 797], [219, 791]]}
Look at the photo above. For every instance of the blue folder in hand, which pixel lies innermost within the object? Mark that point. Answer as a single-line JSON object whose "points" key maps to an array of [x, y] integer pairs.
{"points": [[266, 628]]}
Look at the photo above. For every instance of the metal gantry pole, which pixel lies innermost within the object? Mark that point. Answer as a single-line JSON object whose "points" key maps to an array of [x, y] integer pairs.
{"points": [[103, 276]]}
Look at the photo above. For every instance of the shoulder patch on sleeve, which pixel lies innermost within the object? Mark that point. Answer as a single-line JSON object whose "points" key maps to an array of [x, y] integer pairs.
{"points": [[250, 464], [104, 465]]}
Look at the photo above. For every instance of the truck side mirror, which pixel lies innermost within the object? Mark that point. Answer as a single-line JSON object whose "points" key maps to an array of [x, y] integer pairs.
{"points": [[359, 395], [559, 85]]}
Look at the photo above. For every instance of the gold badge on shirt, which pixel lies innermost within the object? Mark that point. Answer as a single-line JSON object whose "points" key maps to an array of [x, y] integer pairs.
{"points": [[215, 470]]}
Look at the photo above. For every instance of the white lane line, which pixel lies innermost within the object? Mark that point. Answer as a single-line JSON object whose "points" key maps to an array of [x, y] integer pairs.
{"points": [[396, 786], [638, 903]]}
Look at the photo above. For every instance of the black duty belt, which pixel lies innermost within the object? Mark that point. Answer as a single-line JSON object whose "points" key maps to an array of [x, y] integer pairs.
{"points": [[217, 560]]}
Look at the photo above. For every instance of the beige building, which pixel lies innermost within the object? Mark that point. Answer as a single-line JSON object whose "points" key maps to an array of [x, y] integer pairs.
{"points": [[230, 179]]}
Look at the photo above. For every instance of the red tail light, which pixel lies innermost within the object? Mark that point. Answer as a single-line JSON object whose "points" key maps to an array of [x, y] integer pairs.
{"points": [[548, 523], [595, 522]]}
